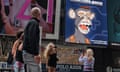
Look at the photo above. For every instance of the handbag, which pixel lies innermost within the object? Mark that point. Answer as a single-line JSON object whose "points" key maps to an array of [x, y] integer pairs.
{"points": [[10, 58]]}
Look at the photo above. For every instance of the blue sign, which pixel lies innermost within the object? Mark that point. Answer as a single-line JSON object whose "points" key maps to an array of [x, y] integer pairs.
{"points": [[86, 22]]}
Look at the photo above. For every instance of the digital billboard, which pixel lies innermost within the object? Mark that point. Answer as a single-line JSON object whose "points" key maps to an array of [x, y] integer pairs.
{"points": [[16, 14], [86, 22]]}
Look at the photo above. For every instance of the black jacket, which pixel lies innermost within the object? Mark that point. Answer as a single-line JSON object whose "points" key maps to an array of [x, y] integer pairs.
{"points": [[31, 37]]}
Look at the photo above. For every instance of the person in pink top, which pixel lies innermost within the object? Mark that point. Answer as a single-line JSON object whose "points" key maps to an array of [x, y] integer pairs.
{"points": [[87, 60]]}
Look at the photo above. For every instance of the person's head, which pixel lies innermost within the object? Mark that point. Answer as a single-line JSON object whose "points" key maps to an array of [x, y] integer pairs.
{"points": [[48, 49], [51, 45], [19, 34], [89, 52], [36, 12]]}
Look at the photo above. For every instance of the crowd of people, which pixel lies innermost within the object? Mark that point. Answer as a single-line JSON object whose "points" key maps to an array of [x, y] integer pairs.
{"points": [[25, 50]]}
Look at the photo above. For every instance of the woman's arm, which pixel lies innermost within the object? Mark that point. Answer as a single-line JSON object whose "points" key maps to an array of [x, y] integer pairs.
{"points": [[20, 47], [81, 59], [14, 48]]}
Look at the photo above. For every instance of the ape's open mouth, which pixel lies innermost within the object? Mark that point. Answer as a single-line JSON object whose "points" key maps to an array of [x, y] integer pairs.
{"points": [[83, 27]]}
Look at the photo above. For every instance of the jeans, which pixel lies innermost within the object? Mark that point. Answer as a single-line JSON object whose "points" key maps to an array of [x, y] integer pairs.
{"points": [[19, 67], [30, 63]]}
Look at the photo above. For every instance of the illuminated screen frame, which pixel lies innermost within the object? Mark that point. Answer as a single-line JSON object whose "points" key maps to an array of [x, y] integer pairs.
{"points": [[55, 35]]}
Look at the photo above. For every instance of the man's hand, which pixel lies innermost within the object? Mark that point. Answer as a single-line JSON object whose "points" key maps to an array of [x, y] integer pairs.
{"points": [[37, 59]]}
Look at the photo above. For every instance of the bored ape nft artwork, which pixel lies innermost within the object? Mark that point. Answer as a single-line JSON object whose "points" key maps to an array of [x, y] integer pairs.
{"points": [[86, 23], [83, 21]]}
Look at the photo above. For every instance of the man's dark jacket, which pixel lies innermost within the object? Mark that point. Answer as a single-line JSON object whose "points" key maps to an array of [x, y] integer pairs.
{"points": [[31, 37]]}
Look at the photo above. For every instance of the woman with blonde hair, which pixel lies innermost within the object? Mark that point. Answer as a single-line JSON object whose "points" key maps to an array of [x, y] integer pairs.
{"points": [[87, 60], [50, 55]]}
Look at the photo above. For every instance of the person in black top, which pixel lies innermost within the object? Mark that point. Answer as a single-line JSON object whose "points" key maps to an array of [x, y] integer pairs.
{"points": [[17, 53], [31, 42], [51, 57], [19, 58]]}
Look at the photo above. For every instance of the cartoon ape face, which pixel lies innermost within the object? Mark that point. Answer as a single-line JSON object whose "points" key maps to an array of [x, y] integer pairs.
{"points": [[83, 19]]}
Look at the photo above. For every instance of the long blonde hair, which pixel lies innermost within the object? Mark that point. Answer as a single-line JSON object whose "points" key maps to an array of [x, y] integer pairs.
{"points": [[47, 50], [90, 54]]}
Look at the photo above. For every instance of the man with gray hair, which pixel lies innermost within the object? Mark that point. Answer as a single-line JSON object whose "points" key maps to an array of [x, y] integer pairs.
{"points": [[31, 55]]}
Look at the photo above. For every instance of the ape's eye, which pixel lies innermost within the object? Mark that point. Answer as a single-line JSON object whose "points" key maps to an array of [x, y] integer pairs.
{"points": [[81, 18], [88, 25], [89, 18]]}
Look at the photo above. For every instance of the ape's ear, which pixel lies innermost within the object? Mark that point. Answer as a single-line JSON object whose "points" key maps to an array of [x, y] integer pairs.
{"points": [[72, 13]]}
